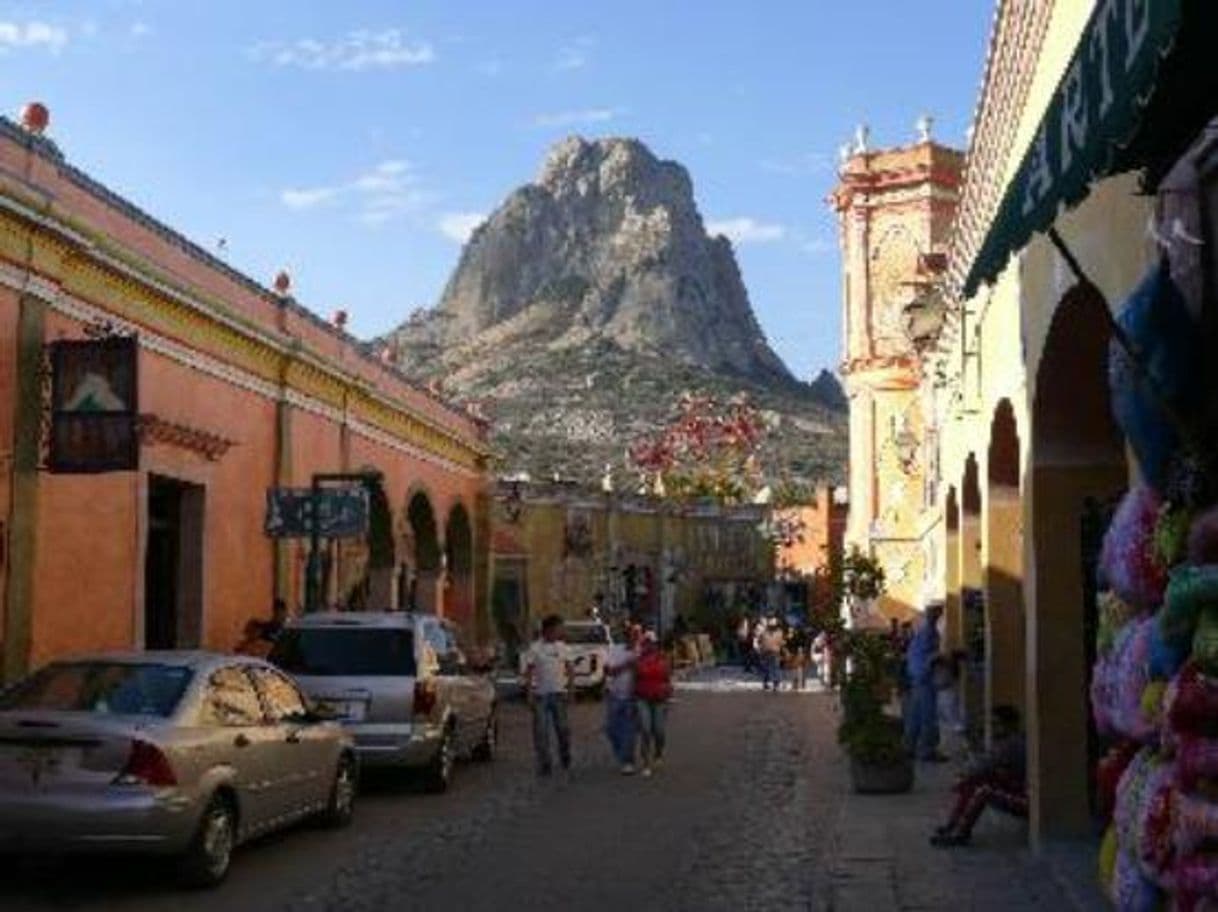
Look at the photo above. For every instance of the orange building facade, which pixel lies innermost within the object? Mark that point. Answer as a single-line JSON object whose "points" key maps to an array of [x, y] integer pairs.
{"points": [[240, 390]]}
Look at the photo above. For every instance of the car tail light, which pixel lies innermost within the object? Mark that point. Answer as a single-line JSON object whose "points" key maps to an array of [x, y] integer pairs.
{"points": [[424, 698], [146, 765]]}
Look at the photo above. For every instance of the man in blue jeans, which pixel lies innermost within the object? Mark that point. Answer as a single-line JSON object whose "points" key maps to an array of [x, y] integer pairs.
{"points": [[922, 714], [547, 684], [621, 721]]}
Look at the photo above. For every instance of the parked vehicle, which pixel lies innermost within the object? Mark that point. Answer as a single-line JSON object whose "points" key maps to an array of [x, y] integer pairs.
{"points": [[588, 643], [400, 683], [178, 753]]}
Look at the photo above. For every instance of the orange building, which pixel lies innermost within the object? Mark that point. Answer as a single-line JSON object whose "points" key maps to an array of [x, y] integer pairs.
{"points": [[240, 390], [809, 537]]}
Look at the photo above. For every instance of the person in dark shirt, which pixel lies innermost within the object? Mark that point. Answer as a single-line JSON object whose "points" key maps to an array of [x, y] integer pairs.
{"points": [[997, 779]]}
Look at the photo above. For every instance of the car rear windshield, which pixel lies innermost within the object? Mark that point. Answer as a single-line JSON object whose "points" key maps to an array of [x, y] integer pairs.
{"points": [[108, 688], [345, 651], [584, 634]]}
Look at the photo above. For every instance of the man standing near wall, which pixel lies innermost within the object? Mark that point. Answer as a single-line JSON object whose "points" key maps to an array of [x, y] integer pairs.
{"points": [[922, 716]]}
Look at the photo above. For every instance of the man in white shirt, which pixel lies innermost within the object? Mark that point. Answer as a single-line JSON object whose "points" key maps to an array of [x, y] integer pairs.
{"points": [[620, 711], [547, 684]]}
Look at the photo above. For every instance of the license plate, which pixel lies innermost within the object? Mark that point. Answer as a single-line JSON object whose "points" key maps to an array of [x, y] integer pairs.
{"points": [[345, 710], [34, 766]]}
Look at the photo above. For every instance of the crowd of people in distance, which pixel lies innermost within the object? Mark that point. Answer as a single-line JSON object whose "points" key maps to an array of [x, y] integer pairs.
{"points": [[779, 651]]}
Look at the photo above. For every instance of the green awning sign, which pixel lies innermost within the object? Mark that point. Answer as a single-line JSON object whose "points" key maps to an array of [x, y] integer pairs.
{"points": [[1089, 127]]}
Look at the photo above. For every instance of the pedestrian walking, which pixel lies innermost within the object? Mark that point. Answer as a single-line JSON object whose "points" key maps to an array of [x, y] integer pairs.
{"points": [[547, 683], [922, 713], [798, 644], [652, 690], [744, 643], [771, 656], [621, 713]]}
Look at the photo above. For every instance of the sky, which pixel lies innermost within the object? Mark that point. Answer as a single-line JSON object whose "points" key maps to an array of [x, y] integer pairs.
{"points": [[357, 143]]}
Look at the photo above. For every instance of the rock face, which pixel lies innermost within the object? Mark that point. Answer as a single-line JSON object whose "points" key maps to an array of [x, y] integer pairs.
{"points": [[592, 297]]}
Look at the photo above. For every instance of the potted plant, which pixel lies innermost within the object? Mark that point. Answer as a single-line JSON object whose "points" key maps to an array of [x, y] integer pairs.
{"points": [[873, 739]]}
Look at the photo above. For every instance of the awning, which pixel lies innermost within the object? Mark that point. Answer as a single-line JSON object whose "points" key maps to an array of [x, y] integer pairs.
{"points": [[1141, 85]]}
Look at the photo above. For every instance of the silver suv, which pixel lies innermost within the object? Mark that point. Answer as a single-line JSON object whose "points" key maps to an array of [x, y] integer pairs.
{"points": [[399, 683]]}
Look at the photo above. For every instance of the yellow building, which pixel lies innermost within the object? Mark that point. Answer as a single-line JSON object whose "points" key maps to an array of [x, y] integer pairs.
{"points": [[894, 209], [1084, 107], [559, 548]]}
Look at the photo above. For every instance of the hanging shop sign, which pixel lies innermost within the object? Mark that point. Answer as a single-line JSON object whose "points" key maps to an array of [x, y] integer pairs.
{"points": [[1134, 92], [94, 405], [341, 512]]}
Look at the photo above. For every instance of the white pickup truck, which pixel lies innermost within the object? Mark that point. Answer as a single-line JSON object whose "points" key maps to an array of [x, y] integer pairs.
{"points": [[589, 643]]}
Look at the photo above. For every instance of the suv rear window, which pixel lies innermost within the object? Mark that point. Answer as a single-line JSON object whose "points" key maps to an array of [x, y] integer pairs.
{"points": [[108, 688], [584, 634], [345, 651]]}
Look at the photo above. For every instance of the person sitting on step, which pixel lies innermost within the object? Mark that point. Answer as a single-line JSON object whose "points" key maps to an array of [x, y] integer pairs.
{"points": [[997, 779]]}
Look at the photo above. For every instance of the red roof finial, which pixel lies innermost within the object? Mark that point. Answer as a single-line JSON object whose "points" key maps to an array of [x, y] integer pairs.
{"points": [[35, 117], [283, 282]]}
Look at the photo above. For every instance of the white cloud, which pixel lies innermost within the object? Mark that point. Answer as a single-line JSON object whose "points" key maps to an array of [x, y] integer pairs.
{"points": [[458, 226], [307, 198], [818, 246], [140, 30], [574, 56], [33, 34], [571, 118], [747, 230], [358, 50], [385, 191]]}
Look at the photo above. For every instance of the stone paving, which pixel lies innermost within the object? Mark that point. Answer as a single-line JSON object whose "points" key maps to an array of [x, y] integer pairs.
{"points": [[751, 812]]}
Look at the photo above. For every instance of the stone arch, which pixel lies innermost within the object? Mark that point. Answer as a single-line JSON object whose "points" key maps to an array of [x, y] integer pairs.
{"points": [[1005, 672], [459, 565], [952, 624], [357, 573], [423, 587], [1076, 454], [972, 599]]}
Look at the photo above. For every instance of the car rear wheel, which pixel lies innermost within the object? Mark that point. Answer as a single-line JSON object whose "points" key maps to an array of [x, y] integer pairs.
{"points": [[485, 750], [210, 855], [439, 773], [341, 809]]}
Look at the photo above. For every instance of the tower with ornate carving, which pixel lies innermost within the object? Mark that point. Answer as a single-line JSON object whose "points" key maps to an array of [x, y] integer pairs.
{"points": [[895, 208]]}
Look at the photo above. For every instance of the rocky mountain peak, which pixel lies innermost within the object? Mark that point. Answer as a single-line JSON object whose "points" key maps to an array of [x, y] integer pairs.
{"points": [[606, 244], [588, 301]]}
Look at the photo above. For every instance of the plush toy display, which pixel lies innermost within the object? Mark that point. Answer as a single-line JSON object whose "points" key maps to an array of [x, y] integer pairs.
{"points": [[1129, 561], [1156, 321]]}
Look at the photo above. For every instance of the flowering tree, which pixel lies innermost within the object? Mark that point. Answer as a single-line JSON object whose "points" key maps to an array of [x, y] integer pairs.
{"points": [[708, 449]]}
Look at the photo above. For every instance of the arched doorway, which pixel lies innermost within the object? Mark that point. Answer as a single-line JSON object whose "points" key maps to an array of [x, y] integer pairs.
{"points": [[459, 564], [1006, 672], [424, 585], [1077, 454], [358, 572], [972, 601], [953, 621]]}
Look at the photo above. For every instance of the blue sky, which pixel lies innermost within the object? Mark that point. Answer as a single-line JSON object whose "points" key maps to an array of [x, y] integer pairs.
{"points": [[355, 142]]}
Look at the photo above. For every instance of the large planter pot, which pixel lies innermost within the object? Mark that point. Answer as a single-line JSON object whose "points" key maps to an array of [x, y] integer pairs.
{"points": [[882, 779]]}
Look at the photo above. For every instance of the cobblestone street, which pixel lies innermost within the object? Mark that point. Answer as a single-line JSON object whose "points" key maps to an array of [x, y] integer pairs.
{"points": [[750, 812]]}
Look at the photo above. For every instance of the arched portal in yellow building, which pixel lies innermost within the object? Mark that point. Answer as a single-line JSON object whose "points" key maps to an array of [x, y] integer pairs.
{"points": [[1076, 454], [972, 599], [953, 630], [1005, 667]]}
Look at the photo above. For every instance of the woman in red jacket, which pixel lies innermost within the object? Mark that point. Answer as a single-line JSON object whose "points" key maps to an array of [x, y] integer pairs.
{"points": [[652, 690]]}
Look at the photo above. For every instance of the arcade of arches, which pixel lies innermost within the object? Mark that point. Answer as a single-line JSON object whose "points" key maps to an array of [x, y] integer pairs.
{"points": [[408, 564]]}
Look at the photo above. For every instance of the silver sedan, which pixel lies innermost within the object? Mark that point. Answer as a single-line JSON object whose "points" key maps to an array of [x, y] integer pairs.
{"points": [[185, 754]]}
